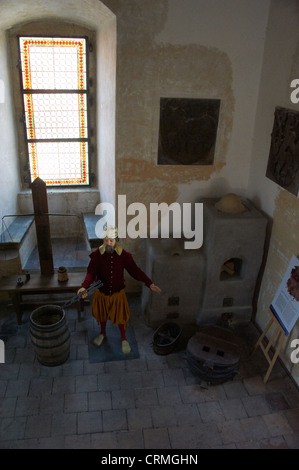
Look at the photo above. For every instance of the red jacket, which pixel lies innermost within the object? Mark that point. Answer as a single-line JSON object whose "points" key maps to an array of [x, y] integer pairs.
{"points": [[109, 268]]}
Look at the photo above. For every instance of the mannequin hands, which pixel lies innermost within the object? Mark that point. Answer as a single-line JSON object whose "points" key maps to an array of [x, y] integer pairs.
{"points": [[82, 289], [155, 288]]}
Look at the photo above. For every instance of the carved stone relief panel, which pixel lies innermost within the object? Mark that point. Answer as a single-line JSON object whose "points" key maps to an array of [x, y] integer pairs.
{"points": [[283, 162], [188, 131]]}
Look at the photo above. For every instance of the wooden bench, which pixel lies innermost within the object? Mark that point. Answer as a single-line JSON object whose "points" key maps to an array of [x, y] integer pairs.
{"points": [[38, 284]]}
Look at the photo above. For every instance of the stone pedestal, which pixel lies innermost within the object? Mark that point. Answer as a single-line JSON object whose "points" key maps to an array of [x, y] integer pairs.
{"points": [[179, 273]]}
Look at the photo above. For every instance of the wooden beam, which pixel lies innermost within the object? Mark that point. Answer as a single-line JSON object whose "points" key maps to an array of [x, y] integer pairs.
{"points": [[42, 225]]}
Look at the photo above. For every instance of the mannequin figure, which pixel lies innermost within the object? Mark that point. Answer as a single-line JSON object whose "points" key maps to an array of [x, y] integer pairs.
{"points": [[108, 263]]}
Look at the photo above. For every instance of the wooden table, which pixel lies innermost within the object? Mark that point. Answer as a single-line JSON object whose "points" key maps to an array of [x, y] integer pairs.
{"points": [[40, 284]]}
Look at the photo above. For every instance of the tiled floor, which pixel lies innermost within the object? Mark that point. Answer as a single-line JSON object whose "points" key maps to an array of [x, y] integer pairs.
{"points": [[153, 402]]}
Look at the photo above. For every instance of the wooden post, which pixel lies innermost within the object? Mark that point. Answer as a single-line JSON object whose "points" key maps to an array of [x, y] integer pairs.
{"points": [[42, 225]]}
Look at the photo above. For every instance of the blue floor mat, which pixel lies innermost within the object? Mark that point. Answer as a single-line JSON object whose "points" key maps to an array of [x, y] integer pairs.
{"points": [[110, 349]]}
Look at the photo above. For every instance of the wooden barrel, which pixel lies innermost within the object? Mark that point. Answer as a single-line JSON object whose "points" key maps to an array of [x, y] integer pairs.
{"points": [[50, 335]]}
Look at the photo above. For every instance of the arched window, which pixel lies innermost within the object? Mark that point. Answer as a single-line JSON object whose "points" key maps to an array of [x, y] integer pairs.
{"points": [[55, 101], [54, 85]]}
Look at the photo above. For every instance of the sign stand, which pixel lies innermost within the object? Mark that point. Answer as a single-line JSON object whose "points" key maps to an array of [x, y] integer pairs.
{"points": [[278, 335]]}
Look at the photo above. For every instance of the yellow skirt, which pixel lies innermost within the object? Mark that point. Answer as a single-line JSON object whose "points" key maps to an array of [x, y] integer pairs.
{"points": [[111, 307]]}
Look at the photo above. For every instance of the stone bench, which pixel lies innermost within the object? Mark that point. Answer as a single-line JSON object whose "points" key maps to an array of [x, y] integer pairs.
{"points": [[90, 221], [12, 236]]}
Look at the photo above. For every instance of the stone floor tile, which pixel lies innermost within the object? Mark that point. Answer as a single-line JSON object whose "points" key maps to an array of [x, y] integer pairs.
{"points": [[7, 407], [12, 428], [293, 419], [108, 382], [292, 440], [186, 414], [9, 371], [192, 393], [93, 368], [104, 440], [98, 401], [114, 420], [235, 389], [173, 377], [156, 438], [30, 371], [248, 445], [3, 386], [131, 439], [145, 397], [136, 365], [274, 443], [256, 405], [277, 424], [27, 406], [254, 428], [73, 368], [90, 422], [231, 432], [82, 441], [17, 388], [53, 442], [41, 386], [38, 426], [75, 402], [123, 399], [65, 384], [211, 411], [200, 436], [26, 444], [163, 416], [86, 383], [152, 378], [81, 351], [52, 404], [254, 385], [139, 418], [130, 380], [169, 395], [115, 367], [233, 408], [156, 362], [63, 424], [277, 401]]}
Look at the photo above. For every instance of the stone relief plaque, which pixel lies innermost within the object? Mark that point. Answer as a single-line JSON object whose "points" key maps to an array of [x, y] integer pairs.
{"points": [[283, 162], [188, 131]]}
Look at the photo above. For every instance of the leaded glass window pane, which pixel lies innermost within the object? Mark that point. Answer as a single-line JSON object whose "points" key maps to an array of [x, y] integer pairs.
{"points": [[55, 103]]}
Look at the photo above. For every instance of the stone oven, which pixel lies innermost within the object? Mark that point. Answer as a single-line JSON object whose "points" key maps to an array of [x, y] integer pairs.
{"points": [[215, 282], [233, 250]]}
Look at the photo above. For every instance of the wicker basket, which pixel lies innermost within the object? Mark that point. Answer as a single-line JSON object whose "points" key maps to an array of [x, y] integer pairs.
{"points": [[166, 338]]}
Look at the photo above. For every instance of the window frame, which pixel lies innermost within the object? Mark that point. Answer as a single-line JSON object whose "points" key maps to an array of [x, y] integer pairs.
{"points": [[24, 91]]}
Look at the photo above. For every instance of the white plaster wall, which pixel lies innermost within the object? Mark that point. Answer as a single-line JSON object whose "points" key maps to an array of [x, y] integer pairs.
{"points": [[238, 28], [9, 179], [91, 13], [106, 46], [280, 67]]}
